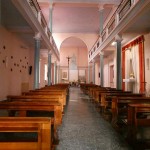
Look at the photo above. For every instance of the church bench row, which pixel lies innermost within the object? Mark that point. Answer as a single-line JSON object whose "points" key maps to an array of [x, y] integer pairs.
{"points": [[106, 97], [12, 125], [93, 90], [101, 94], [55, 89], [85, 87], [22, 106], [134, 122], [36, 97], [48, 93], [120, 113], [119, 106], [26, 105], [35, 109]]}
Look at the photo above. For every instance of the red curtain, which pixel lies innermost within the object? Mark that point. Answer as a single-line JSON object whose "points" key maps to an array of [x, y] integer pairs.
{"points": [[138, 41], [142, 67]]}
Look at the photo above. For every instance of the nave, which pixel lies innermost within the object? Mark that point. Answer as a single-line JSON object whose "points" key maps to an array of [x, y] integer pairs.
{"points": [[83, 128]]}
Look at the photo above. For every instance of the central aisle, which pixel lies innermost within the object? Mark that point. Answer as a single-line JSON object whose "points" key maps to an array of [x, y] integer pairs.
{"points": [[84, 129]]}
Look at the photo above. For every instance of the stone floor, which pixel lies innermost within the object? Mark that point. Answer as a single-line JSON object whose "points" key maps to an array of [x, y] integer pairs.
{"points": [[84, 129]]}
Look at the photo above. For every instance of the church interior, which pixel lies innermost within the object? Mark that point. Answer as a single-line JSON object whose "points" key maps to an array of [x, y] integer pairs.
{"points": [[74, 75]]}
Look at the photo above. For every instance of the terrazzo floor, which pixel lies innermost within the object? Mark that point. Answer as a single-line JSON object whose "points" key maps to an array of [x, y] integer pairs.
{"points": [[84, 129]]}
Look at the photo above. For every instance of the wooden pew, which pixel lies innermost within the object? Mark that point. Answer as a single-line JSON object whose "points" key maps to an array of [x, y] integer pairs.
{"points": [[39, 125], [48, 93], [23, 107], [36, 97], [92, 89], [101, 97], [106, 98], [134, 121], [120, 105], [85, 87]]}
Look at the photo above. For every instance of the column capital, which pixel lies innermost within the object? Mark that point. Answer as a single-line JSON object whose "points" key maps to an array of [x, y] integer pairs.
{"points": [[37, 36], [101, 53], [93, 61], [51, 5], [50, 52], [118, 38], [101, 7]]}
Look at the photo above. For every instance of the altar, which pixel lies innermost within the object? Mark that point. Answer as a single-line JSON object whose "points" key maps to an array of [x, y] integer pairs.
{"points": [[73, 75], [129, 84]]}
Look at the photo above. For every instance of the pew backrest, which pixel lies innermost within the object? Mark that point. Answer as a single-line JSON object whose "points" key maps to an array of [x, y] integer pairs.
{"points": [[39, 125]]}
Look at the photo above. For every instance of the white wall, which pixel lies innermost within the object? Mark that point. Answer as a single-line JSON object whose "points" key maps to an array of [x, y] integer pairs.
{"points": [[109, 61], [97, 79], [81, 56], [43, 61], [106, 73], [14, 62], [147, 66]]}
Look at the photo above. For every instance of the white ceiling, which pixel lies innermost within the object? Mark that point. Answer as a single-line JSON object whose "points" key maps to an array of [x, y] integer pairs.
{"points": [[76, 16], [72, 17]]}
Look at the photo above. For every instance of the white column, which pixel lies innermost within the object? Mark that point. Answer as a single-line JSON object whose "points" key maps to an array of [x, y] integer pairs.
{"points": [[36, 60], [39, 17], [118, 62], [55, 72], [132, 2], [51, 17], [46, 30], [58, 73], [101, 18], [93, 72], [49, 68], [102, 69], [89, 73]]}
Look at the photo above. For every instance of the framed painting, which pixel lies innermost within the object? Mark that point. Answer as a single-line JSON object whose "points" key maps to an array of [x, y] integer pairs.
{"points": [[65, 75]]}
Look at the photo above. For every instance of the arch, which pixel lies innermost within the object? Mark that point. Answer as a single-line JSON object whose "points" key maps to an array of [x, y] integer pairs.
{"points": [[88, 39], [73, 59], [73, 42], [70, 46]]}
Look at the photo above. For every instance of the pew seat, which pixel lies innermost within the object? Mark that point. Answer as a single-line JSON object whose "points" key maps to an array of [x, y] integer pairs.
{"points": [[11, 125], [139, 127], [120, 106], [21, 109]]}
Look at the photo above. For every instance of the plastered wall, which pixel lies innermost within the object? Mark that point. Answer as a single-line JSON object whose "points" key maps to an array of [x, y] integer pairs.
{"points": [[14, 63], [147, 61], [81, 55]]}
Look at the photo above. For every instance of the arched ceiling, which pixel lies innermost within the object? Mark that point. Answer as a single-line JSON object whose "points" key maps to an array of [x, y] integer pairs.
{"points": [[73, 42], [76, 16]]}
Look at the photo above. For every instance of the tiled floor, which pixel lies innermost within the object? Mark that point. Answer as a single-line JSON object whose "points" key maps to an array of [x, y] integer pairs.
{"points": [[84, 129]]}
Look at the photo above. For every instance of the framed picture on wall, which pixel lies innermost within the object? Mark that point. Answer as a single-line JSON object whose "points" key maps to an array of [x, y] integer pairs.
{"points": [[82, 75], [64, 75]]}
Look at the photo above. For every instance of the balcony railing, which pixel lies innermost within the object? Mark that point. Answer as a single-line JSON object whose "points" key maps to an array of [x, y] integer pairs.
{"points": [[120, 12], [38, 13]]}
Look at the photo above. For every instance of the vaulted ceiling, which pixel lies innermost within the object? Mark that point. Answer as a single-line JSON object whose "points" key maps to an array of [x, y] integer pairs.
{"points": [[76, 16], [72, 16]]}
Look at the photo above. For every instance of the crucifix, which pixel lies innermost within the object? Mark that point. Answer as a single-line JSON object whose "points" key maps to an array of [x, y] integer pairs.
{"points": [[68, 66]]}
